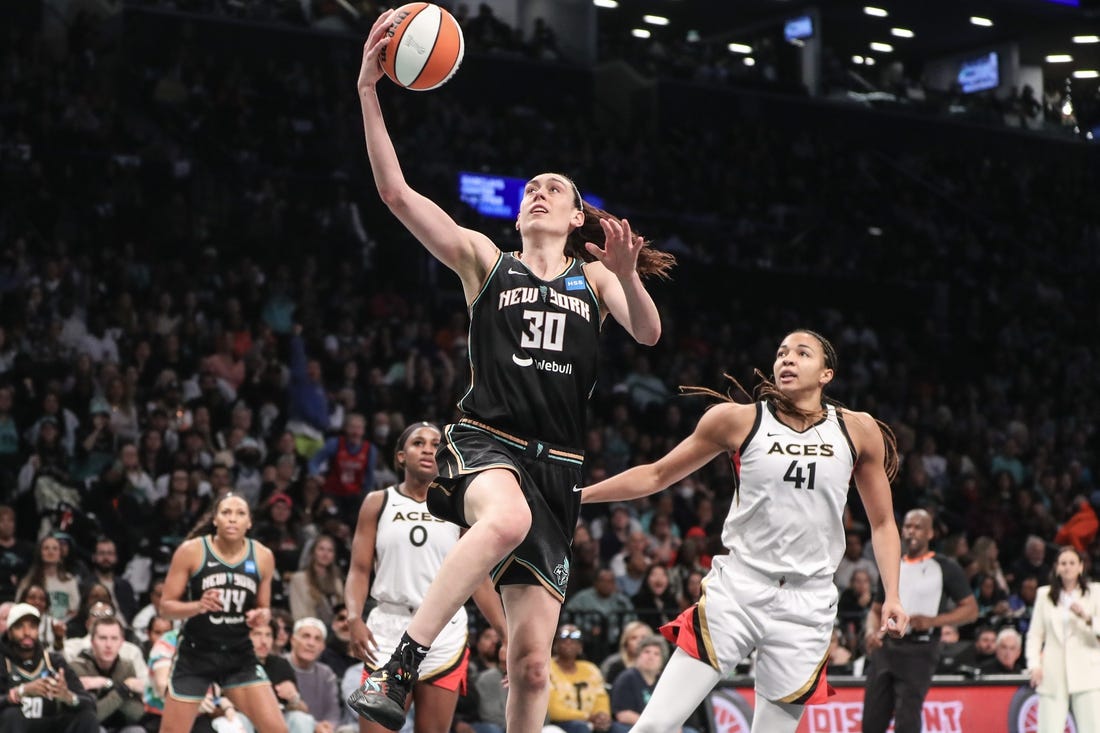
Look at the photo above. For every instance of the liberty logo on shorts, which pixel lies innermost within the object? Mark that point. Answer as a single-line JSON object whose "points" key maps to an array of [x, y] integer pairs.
{"points": [[561, 573]]}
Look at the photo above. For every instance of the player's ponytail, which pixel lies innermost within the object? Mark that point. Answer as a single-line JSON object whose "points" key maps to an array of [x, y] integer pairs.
{"points": [[651, 262]]}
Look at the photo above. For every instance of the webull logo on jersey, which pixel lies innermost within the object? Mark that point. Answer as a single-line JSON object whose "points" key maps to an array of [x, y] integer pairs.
{"points": [[526, 296], [543, 365]]}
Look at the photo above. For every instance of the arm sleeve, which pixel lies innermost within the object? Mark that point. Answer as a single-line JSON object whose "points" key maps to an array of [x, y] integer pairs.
{"points": [[558, 708], [602, 703], [332, 710], [1036, 630], [301, 603], [84, 698], [323, 456], [297, 359], [372, 461], [954, 582], [624, 695]]}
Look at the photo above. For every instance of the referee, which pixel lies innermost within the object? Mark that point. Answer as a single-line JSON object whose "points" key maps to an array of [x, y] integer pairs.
{"points": [[899, 671]]}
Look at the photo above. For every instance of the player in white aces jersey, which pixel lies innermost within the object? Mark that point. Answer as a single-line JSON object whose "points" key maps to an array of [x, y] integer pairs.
{"points": [[794, 457], [398, 539]]}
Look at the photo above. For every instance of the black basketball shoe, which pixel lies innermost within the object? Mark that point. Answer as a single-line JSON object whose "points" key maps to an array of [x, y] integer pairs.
{"points": [[382, 696]]}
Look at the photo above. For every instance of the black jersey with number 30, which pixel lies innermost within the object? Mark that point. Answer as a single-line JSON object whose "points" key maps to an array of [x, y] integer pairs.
{"points": [[533, 352], [237, 584]]}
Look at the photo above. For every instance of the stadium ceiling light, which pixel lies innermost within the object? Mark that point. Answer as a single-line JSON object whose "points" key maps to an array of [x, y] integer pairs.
{"points": [[869, 61], [1086, 39], [748, 61], [640, 33], [1086, 74], [881, 47], [1059, 58], [901, 32], [739, 48], [693, 36], [857, 59], [877, 12], [606, 3], [655, 19], [979, 20]]}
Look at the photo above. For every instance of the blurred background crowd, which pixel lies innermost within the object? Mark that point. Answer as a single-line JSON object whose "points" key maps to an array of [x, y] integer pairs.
{"points": [[198, 285]]}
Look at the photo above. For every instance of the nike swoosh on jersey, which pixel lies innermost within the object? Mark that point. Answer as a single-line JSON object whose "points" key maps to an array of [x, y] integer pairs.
{"points": [[516, 272], [213, 564], [522, 362], [577, 488]]}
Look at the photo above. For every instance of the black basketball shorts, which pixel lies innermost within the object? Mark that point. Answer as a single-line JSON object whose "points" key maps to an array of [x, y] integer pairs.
{"points": [[550, 478], [194, 669]]}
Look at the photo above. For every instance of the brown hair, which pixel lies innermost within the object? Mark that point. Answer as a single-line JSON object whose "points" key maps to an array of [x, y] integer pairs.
{"points": [[768, 391], [111, 620], [323, 587], [1056, 580], [651, 262]]}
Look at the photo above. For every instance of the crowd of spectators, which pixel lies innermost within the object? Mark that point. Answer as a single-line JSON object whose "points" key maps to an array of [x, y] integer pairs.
{"points": [[198, 287]]}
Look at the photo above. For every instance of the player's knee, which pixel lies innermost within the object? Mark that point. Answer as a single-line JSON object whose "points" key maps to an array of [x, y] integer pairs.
{"points": [[509, 528], [529, 674]]}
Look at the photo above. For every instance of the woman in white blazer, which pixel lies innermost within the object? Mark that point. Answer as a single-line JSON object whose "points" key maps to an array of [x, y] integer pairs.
{"points": [[1063, 647]]}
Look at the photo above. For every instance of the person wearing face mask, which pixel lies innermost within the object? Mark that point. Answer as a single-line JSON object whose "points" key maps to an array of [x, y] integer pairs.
{"points": [[345, 465]]}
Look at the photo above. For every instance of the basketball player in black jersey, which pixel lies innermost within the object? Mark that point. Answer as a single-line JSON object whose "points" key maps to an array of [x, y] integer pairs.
{"points": [[511, 469], [220, 583]]}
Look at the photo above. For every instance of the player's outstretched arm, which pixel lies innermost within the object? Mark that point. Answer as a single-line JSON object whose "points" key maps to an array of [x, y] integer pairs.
{"points": [[468, 253], [874, 488], [711, 436]]}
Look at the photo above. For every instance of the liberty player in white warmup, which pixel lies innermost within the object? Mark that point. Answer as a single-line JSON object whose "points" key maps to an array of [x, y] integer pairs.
{"points": [[795, 456], [398, 538]]}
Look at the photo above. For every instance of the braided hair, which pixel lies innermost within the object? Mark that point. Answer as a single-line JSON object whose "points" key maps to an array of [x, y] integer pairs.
{"points": [[768, 391]]}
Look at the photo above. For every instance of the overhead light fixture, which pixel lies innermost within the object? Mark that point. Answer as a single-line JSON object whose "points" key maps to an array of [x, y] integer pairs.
{"points": [[877, 12], [857, 59], [1059, 58], [748, 61], [881, 47], [640, 33], [901, 32], [739, 48], [693, 36], [979, 20], [1086, 74], [655, 19], [606, 3], [869, 61], [1086, 39]]}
